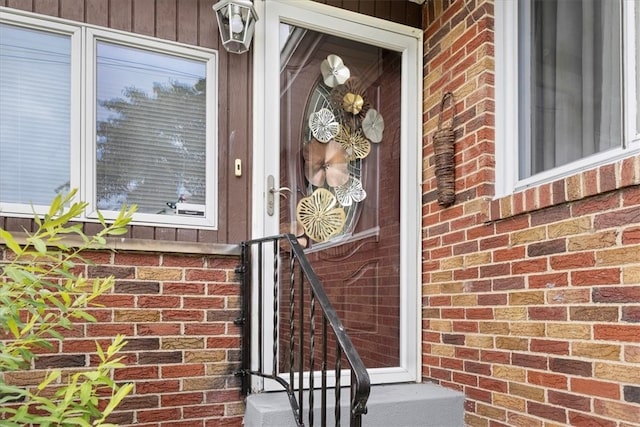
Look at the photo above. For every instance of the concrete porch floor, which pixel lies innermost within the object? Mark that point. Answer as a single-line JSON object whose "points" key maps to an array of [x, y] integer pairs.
{"points": [[392, 405]]}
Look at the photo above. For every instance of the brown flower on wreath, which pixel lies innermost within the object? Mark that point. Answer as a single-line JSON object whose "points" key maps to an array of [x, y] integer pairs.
{"points": [[325, 163], [354, 143]]}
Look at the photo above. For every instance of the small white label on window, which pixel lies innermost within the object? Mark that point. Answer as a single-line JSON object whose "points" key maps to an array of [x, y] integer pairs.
{"points": [[189, 209]]}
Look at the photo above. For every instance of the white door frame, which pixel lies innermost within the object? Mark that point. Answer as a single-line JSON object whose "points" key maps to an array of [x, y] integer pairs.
{"points": [[266, 103]]}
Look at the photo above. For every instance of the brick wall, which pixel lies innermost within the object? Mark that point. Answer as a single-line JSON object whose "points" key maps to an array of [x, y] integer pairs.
{"points": [[177, 312], [532, 301]]}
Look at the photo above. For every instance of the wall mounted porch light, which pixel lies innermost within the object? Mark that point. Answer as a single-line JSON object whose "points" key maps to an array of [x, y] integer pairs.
{"points": [[236, 21]]}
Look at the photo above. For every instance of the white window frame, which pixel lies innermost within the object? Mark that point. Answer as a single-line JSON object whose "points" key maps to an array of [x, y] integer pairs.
{"points": [[507, 104], [83, 114], [266, 102]]}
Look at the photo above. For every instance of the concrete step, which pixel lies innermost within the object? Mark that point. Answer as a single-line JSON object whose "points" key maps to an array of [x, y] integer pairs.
{"points": [[392, 405]]}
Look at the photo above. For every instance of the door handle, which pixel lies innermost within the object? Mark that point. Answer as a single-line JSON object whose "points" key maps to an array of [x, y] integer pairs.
{"points": [[271, 194]]}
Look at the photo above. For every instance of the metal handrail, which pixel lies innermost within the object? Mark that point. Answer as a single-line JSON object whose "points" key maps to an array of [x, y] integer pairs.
{"points": [[360, 383]]}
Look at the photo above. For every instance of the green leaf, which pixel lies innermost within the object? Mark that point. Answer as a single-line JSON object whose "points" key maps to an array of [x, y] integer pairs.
{"points": [[10, 241]]}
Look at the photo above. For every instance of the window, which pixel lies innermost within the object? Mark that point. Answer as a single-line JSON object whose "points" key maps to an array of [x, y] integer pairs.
{"points": [[145, 136], [559, 63]]}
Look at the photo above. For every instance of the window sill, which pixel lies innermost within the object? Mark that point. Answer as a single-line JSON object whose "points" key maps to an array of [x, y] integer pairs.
{"points": [[148, 245], [609, 177]]}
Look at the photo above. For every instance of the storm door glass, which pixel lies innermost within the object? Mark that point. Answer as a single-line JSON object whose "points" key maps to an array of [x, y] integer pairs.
{"points": [[340, 156]]}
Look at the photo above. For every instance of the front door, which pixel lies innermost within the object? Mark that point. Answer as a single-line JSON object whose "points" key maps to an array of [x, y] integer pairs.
{"points": [[341, 107]]}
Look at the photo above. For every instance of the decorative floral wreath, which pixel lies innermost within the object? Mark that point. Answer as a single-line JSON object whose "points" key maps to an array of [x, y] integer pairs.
{"points": [[342, 136]]}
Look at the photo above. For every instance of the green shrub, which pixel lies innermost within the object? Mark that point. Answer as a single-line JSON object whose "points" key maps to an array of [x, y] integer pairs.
{"points": [[41, 294]]}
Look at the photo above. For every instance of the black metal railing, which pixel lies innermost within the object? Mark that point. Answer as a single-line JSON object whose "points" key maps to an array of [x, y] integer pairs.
{"points": [[300, 354]]}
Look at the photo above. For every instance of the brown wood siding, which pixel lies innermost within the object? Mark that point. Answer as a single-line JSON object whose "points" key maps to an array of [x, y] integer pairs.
{"points": [[192, 22], [400, 11]]}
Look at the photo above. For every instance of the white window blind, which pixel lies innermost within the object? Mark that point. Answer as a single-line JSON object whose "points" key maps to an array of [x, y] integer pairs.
{"points": [[151, 129], [34, 135]]}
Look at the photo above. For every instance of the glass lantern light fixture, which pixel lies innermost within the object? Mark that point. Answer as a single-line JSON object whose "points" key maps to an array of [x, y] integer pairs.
{"points": [[236, 21]]}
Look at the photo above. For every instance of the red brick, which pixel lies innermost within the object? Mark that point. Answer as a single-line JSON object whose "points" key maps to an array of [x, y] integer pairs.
{"points": [[625, 294], [618, 218], [591, 387], [549, 346], [183, 399], [548, 412], [158, 415], [604, 276], [547, 313], [546, 379], [202, 275], [137, 372], [183, 315], [572, 261], [157, 387], [552, 280], [626, 333], [568, 400], [203, 302], [184, 370], [577, 419], [136, 258], [493, 384]]}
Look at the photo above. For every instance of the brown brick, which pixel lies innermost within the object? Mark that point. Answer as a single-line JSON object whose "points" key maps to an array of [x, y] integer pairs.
{"points": [[107, 270], [592, 241], [591, 313], [130, 287], [529, 235], [24, 378], [526, 391], [511, 373], [511, 313], [137, 315], [520, 420], [619, 256], [509, 402], [204, 356], [160, 357], [622, 373], [569, 296], [182, 343], [183, 315], [491, 412], [135, 344], [512, 343], [568, 330], [596, 351], [526, 298], [616, 410], [159, 273], [203, 383], [571, 366], [138, 402], [527, 329]]}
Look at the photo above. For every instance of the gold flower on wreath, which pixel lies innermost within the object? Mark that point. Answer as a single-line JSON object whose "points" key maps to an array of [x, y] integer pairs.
{"points": [[320, 215], [356, 145], [350, 97]]}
